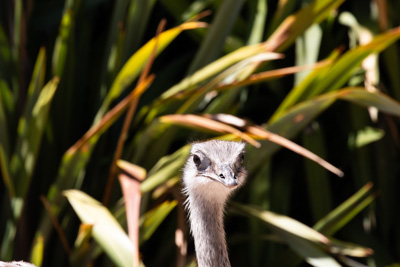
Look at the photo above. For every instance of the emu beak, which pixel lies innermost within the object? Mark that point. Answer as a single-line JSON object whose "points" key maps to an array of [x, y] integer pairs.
{"points": [[227, 177]]}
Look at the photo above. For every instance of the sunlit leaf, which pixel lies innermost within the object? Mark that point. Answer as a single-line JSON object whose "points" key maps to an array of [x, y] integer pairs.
{"points": [[296, 24], [215, 68], [338, 217], [297, 235], [130, 177], [367, 99], [306, 241], [217, 33], [166, 168], [303, 113], [365, 136], [82, 254], [60, 52], [137, 61], [4, 128], [76, 157], [30, 136], [339, 73], [236, 72], [107, 232], [37, 252], [208, 124], [150, 221]]}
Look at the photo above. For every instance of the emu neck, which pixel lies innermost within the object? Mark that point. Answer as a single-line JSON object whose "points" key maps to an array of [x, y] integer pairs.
{"points": [[206, 219]]}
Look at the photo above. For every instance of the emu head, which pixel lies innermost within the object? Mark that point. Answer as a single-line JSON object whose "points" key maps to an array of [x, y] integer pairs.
{"points": [[214, 169]]}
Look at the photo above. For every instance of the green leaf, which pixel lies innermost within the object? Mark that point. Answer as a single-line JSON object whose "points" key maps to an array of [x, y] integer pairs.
{"points": [[365, 136], [150, 221], [137, 61], [75, 159], [236, 72], [217, 33], [4, 138], [30, 134], [289, 125], [332, 78], [60, 52], [365, 98], [295, 25], [301, 238], [136, 23], [318, 180], [166, 168], [107, 232], [258, 11], [37, 82], [339, 217], [306, 241], [214, 68], [300, 115], [5, 171]]}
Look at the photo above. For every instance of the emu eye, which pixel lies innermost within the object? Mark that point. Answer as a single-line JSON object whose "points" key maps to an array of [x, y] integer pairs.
{"points": [[201, 162], [196, 160], [241, 158]]}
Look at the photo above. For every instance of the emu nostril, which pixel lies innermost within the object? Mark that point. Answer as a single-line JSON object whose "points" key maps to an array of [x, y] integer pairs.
{"points": [[222, 176]]}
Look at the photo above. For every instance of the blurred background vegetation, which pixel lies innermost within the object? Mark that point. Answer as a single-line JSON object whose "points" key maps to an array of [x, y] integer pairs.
{"points": [[86, 83]]}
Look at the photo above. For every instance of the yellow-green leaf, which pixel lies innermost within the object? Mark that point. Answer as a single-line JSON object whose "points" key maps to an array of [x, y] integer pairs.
{"points": [[107, 232]]}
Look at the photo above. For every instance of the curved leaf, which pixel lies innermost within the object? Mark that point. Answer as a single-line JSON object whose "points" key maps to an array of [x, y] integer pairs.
{"points": [[107, 232], [137, 61]]}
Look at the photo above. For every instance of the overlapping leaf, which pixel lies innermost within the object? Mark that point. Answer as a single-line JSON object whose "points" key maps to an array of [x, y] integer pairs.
{"points": [[106, 230]]}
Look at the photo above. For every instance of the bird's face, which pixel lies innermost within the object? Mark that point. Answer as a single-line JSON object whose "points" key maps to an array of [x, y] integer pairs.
{"points": [[215, 163]]}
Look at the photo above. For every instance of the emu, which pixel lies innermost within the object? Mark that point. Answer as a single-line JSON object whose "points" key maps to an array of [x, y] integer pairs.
{"points": [[214, 169]]}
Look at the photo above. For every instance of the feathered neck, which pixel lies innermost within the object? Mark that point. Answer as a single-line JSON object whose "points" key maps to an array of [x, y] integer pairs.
{"points": [[207, 227]]}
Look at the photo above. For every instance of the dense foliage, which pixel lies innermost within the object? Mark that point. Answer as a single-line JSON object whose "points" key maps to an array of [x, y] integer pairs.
{"points": [[96, 95]]}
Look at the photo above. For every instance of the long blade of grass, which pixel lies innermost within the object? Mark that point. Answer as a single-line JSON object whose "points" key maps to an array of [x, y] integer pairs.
{"points": [[339, 73], [219, 29], [296, 24], [303, 239], [233, 73], [212, 69], [333, 221], [195, 121], [294, 233], [128, 118], [111, 116], [4, 129], [76, 157], [107, 232], [273, 74], [166, 168], [60, 52], [130, 179], [150, 221], [364, 98], [217, 123], [24, 159], [30, 135], [5, 171], [302, 90], [283, 223], [136, 22], [302, 114], [137, 61], [258, 11], [36, 83], [318, 180], [282, 37], [312, 254], [5, 55], [33, 93]]}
